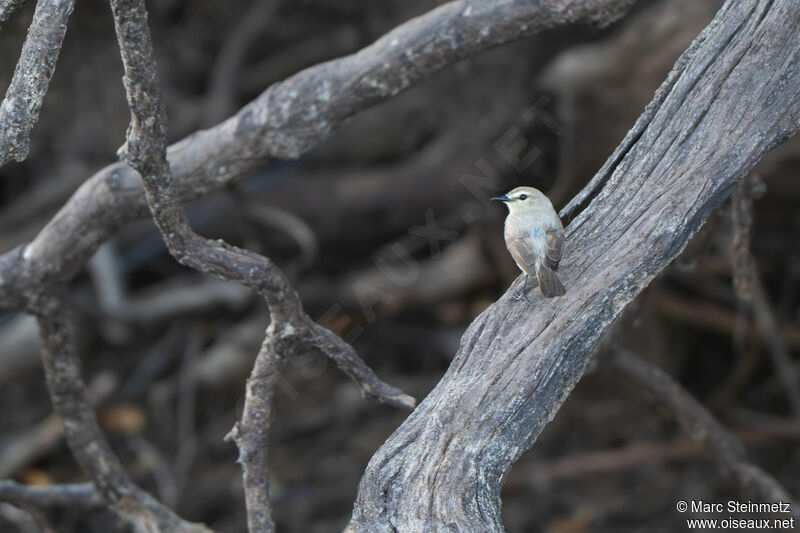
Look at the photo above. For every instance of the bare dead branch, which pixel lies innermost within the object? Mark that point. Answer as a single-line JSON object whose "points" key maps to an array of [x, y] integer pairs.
{"points": [[20, 108], [145, 150], [291, 224], [742, 198], [750, 290], [251, 433], [285, 121], [730, 98], [699, 424], [531, 374], [85, 440], [76, 495], [290, 332], [785, 369]]}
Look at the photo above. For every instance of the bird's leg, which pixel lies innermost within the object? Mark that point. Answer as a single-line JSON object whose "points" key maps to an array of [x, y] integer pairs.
{"points": [[517, 297]]}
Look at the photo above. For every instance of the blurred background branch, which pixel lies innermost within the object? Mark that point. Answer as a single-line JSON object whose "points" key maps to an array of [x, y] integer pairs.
{"points": [[383, 229]]}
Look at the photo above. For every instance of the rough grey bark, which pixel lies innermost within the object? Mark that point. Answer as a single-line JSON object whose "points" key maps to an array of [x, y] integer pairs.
{"points": [[732, 96], [37, 63], [285, 121]]}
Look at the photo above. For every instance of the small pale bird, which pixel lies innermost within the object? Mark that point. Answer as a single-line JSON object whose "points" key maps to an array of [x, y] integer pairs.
{"points": [[535, 238]]}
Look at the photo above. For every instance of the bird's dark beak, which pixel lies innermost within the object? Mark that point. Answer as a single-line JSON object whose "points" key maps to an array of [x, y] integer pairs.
{"points": [[503, 198]]}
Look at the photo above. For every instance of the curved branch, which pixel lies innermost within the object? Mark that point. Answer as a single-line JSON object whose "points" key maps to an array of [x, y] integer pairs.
{"points": [[85, 440], [290, 332], [285, 121], [732, 96]]}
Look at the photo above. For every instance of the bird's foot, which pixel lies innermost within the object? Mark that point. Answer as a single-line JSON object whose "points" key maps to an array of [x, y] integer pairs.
{"points": [[517, 297]]}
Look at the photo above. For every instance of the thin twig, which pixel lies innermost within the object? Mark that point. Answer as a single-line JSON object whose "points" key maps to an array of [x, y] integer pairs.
{"points": [[157, 466], [290, 332], [251, 434], [749, 289], [699, 424], [20, 108], [294, 226], [750, 188]]}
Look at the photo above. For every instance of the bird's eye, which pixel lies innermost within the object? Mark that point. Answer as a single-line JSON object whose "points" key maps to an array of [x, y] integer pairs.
{"points": [[523, 196]]}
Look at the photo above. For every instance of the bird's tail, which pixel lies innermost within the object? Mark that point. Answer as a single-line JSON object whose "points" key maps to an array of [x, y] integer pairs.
{"points": [[549, 283]]}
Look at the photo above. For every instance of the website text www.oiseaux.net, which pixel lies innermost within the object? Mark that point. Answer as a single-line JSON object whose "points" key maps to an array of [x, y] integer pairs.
{"points": [[736, 522]]}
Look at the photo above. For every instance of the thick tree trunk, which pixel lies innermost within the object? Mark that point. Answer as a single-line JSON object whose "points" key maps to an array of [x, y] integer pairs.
{"points": [[733, 96]]}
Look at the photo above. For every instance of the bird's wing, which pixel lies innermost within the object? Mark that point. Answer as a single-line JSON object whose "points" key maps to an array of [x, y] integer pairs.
{"points": [[521, 248], [554, 239]]}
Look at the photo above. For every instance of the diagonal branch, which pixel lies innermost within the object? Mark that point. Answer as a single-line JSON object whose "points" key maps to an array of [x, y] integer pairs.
{"points": [[285, 121], [699, 424], [732, 96], [37, 63], [770, 330], [290, 332], [750, 291], [87, 443]]}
